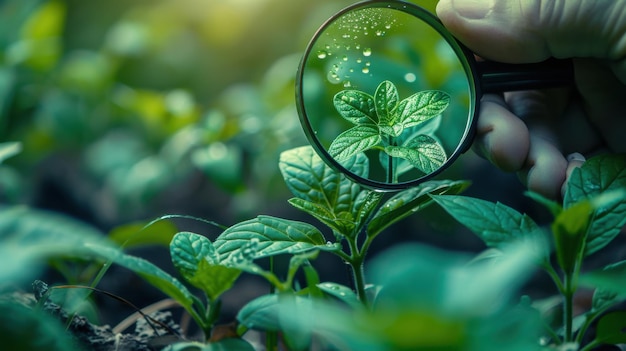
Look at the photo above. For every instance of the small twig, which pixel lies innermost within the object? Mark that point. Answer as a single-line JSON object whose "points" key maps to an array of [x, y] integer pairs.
{"points": [[132, 319], [149, 319]]}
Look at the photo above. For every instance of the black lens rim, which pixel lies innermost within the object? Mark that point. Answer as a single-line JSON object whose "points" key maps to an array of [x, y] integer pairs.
{"points": [[466, 57]]}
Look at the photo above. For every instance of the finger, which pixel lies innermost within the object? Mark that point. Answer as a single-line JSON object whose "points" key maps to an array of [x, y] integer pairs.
{"points": [[501, 137], [556, 115], [545, 168], [603, 100], [522, 31]]}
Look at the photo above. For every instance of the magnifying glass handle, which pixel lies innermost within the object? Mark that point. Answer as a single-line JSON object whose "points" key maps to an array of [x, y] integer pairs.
{"points": [[496, 77]]}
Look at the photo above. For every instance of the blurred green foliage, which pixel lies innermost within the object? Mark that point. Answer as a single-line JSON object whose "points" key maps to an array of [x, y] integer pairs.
{"points": [[137, 96]]}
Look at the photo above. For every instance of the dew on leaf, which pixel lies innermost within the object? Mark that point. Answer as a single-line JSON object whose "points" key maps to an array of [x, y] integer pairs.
{"points": [[367, 52], [322, 54]]}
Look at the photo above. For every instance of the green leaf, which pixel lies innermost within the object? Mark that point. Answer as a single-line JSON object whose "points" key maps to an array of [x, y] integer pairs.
{"points": [[603, 299], [9, 149], [309, 178], [422, 106], [26, 328], [611, 279], [597, 175], [195, 258], [386, 100], [260, 314], [323, 190], [275, 236], [569, 229], [30, 236], [611, 328], [148, 271], [356, 106], [409, 201], [354, 141], [394, 130], [422, 152], [341, 292], [496, 224], [342, 222]]}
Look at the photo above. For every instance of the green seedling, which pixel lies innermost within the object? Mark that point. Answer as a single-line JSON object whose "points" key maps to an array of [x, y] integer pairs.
{"points": [[392, 126]]}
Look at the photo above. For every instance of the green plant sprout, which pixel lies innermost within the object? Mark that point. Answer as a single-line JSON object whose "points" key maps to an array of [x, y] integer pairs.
{"points": [[392, 126]]}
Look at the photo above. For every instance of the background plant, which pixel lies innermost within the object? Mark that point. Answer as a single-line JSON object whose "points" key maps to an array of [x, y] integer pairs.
{"points": [[588, 220]]}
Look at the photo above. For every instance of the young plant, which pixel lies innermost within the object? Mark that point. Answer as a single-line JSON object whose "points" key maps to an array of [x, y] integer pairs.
{"points": [[384, 122], [590, 217], [356, 216]]}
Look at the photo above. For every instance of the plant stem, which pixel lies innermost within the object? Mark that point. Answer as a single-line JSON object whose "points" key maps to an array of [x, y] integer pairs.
{"points": [[356, 260], [568, 306]]}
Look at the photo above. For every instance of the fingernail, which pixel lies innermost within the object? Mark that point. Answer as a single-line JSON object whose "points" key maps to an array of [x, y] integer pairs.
{"points": [[473, 9], [576, 157]]}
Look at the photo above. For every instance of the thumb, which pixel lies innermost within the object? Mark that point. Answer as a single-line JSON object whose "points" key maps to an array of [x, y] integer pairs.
{"points": [[523, 31]]}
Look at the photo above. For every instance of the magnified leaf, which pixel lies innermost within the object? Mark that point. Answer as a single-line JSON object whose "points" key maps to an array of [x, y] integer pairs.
{"points": [[422, 106], [423, 152], [386, 99], [394, 130], [353, 141], [356, 106]]}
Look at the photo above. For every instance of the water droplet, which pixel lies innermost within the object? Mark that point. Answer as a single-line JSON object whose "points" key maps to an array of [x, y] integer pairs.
{"points": [[368, 63], [322, 54], [359, 60], [346, 84], [344, 58], [388, 26], [367, 52], [358, 46], [342, 294], [327, 47], [329, 243], [410, 77], [346, 36], [380, 33], [365, 70]]}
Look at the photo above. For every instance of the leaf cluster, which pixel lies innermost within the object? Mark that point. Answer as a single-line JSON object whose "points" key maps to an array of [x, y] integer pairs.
{"points": [[389, 124]]}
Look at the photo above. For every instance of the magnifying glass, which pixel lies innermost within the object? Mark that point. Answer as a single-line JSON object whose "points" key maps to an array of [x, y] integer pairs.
{"points": [[385, 80]]}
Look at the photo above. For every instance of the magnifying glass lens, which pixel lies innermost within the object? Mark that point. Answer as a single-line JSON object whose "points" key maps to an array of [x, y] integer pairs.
{"points": [[382, 79]]}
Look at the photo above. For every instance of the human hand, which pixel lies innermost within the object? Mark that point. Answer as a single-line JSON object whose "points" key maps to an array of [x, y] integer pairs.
{"points": [[529, 132]]}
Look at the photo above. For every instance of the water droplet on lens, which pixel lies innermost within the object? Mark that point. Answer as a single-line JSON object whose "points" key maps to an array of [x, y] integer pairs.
{"points": [[410, 77], [367, 52]]}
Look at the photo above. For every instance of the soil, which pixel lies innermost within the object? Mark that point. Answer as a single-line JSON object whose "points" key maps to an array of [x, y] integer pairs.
{"points": [[147, 336]]}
